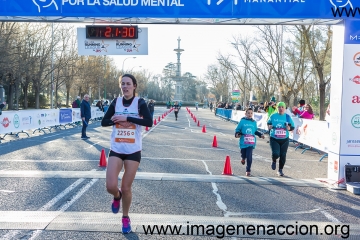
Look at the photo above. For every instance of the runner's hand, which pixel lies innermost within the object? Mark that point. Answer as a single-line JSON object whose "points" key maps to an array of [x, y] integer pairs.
{"points": [[119, 118], [263, 136]]}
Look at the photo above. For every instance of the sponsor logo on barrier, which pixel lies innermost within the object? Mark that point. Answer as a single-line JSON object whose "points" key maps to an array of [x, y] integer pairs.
{"points": [[26, 120], [5, 122], [336, 166], [355, 121], [355, 79], [355, 99], [353, 143], [341, 3], [16, 121], [356, 59]]}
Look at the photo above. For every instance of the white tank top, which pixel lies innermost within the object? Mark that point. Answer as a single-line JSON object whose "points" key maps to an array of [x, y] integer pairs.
{"points": [[126, 140]]}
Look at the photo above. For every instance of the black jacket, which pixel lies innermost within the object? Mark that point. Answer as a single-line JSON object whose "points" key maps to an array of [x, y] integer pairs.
{"points": [[151, 106], [85, 109]]}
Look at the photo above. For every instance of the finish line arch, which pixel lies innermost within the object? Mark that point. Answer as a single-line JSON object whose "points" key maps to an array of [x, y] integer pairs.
{"points": [[344, 128]]}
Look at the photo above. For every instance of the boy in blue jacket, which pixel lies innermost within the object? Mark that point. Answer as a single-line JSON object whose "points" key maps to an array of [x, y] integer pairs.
{"points": [[246, 131]]}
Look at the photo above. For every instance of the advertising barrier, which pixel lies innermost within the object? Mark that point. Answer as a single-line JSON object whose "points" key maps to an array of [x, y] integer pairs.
{"points": [[65, 116], [18, 121]]}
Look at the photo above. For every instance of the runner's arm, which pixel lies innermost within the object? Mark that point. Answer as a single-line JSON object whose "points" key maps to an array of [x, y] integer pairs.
{"points": [[259, 134], [145, 113]]}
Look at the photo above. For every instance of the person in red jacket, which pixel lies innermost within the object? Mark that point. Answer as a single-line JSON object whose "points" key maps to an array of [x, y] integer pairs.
{"points": [[298, 110]]}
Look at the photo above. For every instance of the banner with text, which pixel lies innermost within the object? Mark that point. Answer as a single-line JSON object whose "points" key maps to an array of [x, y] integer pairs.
{"points": [[325, 9]]}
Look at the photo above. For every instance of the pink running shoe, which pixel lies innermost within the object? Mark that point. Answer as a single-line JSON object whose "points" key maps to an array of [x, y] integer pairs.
{"points": [[115, 206], [126, 227]]}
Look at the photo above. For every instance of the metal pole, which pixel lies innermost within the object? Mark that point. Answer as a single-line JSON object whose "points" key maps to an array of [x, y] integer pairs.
{"points": [[104, 77], [52, 66]]}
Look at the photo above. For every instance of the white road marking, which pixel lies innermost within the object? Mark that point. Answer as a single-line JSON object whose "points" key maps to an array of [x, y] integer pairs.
{"points": [[92, 145], [6, 191], [49, 204], [329, 216], [52, 135], [219, 201], [65, 206], [229, 214]]}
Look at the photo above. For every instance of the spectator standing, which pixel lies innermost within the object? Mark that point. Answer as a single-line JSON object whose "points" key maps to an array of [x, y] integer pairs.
{"points": [[106, 106], [298, 110], [151, 106], [211, 106], [271, 107], [76, 103], [261, 108], [2, 105], [307, 113], [99, 104], [85, 111]]}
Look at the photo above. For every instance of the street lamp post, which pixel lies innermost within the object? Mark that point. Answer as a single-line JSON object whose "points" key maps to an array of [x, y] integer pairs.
{"points": [[122, 70], [104, 77], [135, 67]]}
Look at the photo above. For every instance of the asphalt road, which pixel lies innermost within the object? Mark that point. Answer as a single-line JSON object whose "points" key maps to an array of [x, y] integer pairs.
{"points": [[52, 188]]}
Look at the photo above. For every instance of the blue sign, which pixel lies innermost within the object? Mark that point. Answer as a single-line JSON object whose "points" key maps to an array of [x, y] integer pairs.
{"points": [[65, 116], [352, 32], [320, 9]]}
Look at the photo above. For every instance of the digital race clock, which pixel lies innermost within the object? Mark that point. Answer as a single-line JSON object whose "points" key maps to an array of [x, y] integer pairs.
{"points": [[112, 32]]}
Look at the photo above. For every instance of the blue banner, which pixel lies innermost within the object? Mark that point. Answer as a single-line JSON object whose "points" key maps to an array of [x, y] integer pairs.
{"points": [[225, 113], [352, 32], [65, 116], [321, 9]]}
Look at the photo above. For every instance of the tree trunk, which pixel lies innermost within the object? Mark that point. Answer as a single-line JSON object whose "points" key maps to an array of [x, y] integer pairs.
{"points": [[37, 97], [322, 88], [67, 96], [11, 96], [25, 92]]}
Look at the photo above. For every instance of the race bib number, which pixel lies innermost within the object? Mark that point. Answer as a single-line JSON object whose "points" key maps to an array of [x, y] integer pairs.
{"points": [[249, 139], [280, 133], [125, 134]]}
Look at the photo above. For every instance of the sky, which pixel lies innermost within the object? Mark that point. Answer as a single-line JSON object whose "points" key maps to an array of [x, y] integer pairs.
{"points": [[201, 43]]}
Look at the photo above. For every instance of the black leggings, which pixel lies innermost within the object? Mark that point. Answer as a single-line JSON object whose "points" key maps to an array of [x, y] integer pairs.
{"points": [[279, 148], [176, 113]]}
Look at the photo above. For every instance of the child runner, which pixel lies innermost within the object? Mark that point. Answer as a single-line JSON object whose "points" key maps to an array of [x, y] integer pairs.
{"points": [[246, 131]]}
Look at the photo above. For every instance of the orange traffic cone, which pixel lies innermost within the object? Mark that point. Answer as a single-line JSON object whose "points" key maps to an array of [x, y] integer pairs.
{"points": [[159, 119], [227, 167], [204, 129], [214, 142], [147, 128], [162, 116], [102, 162], [154, 121], [198, 123]]}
